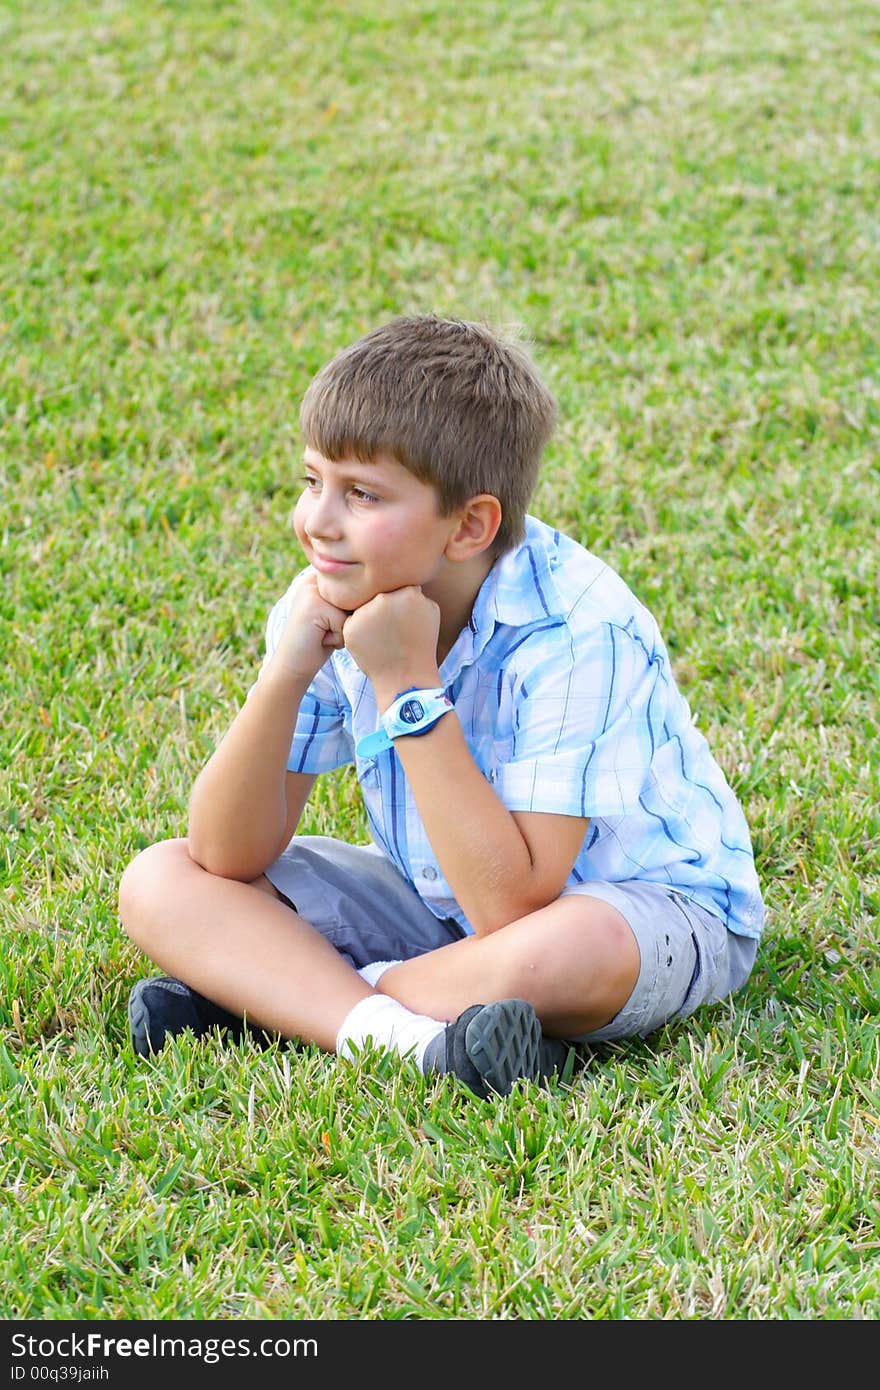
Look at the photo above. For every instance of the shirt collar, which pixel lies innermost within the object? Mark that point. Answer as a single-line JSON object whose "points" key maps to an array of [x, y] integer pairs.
{"points": [[519, 591]]}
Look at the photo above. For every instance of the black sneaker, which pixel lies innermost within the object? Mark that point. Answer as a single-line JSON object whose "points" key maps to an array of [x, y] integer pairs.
{"points": [[161, 1008], [490, 1046]]}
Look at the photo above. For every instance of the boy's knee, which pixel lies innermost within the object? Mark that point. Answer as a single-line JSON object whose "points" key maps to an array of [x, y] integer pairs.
{"points": [[585, 958], [146, 878]]}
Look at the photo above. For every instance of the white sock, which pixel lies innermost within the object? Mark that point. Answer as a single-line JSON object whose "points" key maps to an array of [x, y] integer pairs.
{"points": [[386, 1023], [373, 972]]}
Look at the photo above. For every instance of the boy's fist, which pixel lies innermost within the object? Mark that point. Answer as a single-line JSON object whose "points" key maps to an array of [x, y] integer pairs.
{"points": [[393, 639], [313, 629]]}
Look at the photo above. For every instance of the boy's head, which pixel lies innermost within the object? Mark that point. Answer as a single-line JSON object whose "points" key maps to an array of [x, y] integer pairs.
{"points": [[459, 406]]}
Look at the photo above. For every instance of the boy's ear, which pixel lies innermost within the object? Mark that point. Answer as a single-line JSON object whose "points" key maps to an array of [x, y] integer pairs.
{"points": [[477, 526]]}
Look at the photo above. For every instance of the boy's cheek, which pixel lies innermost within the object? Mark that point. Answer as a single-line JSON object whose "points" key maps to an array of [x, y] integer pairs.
{"points": [[299, 517]]}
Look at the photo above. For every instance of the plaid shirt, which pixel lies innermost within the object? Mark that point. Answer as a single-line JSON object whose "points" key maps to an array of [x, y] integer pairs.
{"points": [[565, 693]]}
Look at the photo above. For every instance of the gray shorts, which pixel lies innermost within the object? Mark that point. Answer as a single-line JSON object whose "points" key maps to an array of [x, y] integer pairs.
{"points": [[355, 897]]}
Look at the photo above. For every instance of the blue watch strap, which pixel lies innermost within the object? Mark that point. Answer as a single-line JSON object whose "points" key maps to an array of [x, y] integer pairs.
{"points": [[373, 744]]}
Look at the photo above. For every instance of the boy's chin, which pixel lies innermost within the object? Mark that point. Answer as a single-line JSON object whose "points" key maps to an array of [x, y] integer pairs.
{"points": [[334, 592]]}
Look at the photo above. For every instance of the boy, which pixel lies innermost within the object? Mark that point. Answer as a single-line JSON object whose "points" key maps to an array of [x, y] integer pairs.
{"points": [[557, 858]]}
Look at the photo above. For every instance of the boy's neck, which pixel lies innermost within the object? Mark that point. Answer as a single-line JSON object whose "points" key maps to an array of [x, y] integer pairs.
{"points": [[454, 591]]}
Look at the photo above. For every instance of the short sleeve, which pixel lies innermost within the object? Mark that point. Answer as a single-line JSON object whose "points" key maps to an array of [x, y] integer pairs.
{"points": [[320, 740], [584, 716]]}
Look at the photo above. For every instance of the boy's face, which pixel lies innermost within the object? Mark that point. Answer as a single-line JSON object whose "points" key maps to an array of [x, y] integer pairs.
{"points": [[369, 528]]}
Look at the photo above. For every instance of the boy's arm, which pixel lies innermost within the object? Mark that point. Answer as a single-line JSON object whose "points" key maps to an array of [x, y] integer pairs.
{"points": [[500, 865], [244, 801], [245, 804]]}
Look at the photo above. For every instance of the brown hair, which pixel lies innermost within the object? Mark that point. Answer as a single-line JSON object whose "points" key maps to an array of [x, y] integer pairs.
{"points": [[454, 402]]}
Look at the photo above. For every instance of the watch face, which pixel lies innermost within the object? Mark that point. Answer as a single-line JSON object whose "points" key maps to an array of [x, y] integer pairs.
{"points": [[411, 711]]}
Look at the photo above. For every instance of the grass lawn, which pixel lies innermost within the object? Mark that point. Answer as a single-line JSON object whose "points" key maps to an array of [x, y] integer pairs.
{"points": [[202, 202]]}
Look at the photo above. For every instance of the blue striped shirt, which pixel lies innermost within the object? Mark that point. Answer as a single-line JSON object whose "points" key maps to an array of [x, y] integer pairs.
{"points": [[566, 696]]}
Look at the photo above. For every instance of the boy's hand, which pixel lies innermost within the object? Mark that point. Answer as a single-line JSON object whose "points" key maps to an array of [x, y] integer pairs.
{"points": [[313, 629], [393, 639]]}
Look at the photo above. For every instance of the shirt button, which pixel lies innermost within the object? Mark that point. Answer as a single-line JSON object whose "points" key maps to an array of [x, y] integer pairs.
{"points": [[429, 872]]}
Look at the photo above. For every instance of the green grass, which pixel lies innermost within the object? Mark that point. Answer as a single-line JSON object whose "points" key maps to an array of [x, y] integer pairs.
{"points": [[201, 203]]}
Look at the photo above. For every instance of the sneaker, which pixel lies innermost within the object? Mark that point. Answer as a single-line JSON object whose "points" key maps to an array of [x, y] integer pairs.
{"points": [[490, 1046], [161, 1008]]}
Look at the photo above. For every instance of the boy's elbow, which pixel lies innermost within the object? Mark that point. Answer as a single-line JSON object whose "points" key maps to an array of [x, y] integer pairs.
{"points": [[243, 859], [202, 856], [504, 907], [200, 849], [224, 865], [212, 853], [219, 860]]}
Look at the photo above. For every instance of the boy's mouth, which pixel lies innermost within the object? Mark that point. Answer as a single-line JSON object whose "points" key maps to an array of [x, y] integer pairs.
{"points": [[327, 564]]}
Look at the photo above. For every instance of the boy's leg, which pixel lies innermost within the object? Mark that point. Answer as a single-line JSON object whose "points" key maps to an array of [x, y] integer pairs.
{"points": [[238, 946], [244, 951], [603, 962], [241, 948], [575, 961]]}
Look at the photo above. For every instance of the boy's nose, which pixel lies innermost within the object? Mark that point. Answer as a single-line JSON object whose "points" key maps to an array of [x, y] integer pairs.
{"points": [[322, 521]]}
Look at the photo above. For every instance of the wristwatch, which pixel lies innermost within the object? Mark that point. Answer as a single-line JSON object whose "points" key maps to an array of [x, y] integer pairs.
{"points": [[412, 712]]}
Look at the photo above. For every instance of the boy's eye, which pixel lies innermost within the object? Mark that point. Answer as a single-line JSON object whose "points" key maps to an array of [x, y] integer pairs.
{"points": [[313, 484]]}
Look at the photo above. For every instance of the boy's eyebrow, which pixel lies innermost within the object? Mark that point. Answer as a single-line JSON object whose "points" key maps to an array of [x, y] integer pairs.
{"points": [[373, 466]]}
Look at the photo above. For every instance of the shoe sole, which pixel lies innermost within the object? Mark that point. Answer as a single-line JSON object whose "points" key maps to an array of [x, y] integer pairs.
{"points": [[138, 1020], [503, 1041]]}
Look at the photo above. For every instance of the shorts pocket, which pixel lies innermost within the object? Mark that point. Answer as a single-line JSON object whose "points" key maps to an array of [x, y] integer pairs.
{"points": [[709, 937]]}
